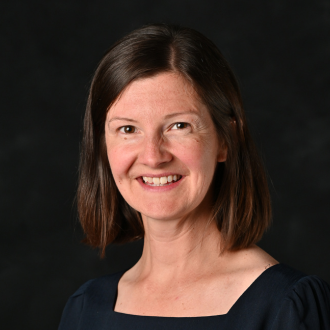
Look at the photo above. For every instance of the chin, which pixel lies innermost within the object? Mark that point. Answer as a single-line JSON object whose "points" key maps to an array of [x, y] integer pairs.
{"points": [[163, 215]]}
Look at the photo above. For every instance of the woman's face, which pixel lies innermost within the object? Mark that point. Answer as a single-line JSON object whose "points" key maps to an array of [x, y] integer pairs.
{"points": [[158, 132]]}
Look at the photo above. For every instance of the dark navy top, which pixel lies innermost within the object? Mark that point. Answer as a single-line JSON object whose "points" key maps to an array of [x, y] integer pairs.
{"points": [[279, 299]]}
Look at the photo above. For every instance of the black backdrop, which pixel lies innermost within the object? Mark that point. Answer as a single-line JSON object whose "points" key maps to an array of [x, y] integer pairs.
{"points": [[280, 51]]}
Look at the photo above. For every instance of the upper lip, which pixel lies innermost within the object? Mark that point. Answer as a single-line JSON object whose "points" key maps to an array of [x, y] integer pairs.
{"points": [[159, 175]]}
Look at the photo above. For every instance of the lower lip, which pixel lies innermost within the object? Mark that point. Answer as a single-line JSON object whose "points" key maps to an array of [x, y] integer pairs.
{"points": [[159, 188]]}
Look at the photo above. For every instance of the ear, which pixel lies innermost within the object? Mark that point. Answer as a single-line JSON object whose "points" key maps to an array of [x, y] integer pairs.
{"points": [[223, 148], [222, 152]]}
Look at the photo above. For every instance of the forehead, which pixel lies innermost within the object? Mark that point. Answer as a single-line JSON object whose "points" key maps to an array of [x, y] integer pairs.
{"points": [[161, 94]]}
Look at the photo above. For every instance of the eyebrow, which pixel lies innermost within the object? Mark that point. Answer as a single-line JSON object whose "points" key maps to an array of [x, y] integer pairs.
{"points": [[122, 118], [171, 115]]}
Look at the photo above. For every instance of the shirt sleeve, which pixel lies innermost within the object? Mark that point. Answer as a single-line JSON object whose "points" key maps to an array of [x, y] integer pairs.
{"points": [[307, 307], [71, 315]]}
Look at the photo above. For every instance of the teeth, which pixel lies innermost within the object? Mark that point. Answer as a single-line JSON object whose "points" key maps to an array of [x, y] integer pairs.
{"points": [[162, 180], [155, 180]]}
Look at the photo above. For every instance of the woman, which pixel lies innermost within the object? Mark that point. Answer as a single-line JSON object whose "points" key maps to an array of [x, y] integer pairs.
{"points": [[167, 156]]}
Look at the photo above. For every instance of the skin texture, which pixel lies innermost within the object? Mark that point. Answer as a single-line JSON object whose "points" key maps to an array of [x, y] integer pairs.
{"points": [[181, 272], [155, 146]]}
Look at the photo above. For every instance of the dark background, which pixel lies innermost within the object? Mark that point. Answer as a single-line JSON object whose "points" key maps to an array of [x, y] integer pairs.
{"points": [[280, 51]]}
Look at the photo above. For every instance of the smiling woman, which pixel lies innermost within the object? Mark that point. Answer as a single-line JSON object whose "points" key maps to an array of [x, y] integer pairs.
{"points": [[158, 147], [167, 157]]}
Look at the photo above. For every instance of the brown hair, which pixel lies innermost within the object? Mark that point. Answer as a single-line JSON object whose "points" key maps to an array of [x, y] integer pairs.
{"points": [[242, 208]]}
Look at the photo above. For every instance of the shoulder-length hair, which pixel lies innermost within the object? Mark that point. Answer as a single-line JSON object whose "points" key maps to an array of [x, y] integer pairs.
{"points": [[241, 207]]}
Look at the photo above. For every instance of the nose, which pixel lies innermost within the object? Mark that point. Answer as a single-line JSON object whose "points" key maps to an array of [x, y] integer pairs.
{"points": [[154, 152]]}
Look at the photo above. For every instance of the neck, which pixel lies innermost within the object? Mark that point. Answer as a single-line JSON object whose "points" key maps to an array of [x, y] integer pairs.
{"points": [[177, 248]]}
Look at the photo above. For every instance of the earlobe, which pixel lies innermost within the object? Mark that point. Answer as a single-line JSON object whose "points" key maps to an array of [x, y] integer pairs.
{"points": [[223, 149], [222, 155]]}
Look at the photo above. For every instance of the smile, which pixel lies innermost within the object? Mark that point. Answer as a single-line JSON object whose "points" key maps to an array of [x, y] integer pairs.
{"points": [[162, 181]]}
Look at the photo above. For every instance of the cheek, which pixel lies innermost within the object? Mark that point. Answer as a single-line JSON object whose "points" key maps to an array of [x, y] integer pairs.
{"points": [[120, 160], [192, 154], [201, 158], [197, 153]]}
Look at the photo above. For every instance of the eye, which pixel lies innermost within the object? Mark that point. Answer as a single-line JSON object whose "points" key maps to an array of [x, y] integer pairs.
{"points": [[127, 129], [180, 126]]}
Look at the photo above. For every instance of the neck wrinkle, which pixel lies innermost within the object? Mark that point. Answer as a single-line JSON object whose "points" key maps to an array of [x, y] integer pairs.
{"points": [[183, 250]]}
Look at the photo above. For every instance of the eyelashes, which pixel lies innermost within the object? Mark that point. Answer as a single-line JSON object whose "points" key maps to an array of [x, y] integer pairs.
{"points": [[180, 125], [129, 129]]}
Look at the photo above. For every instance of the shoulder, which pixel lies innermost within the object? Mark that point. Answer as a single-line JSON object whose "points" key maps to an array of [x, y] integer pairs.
{"points": [[304, 301], [288, 284], [98, 285], [294, 283], [283, 298], [310, 285], [94, 296]]}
